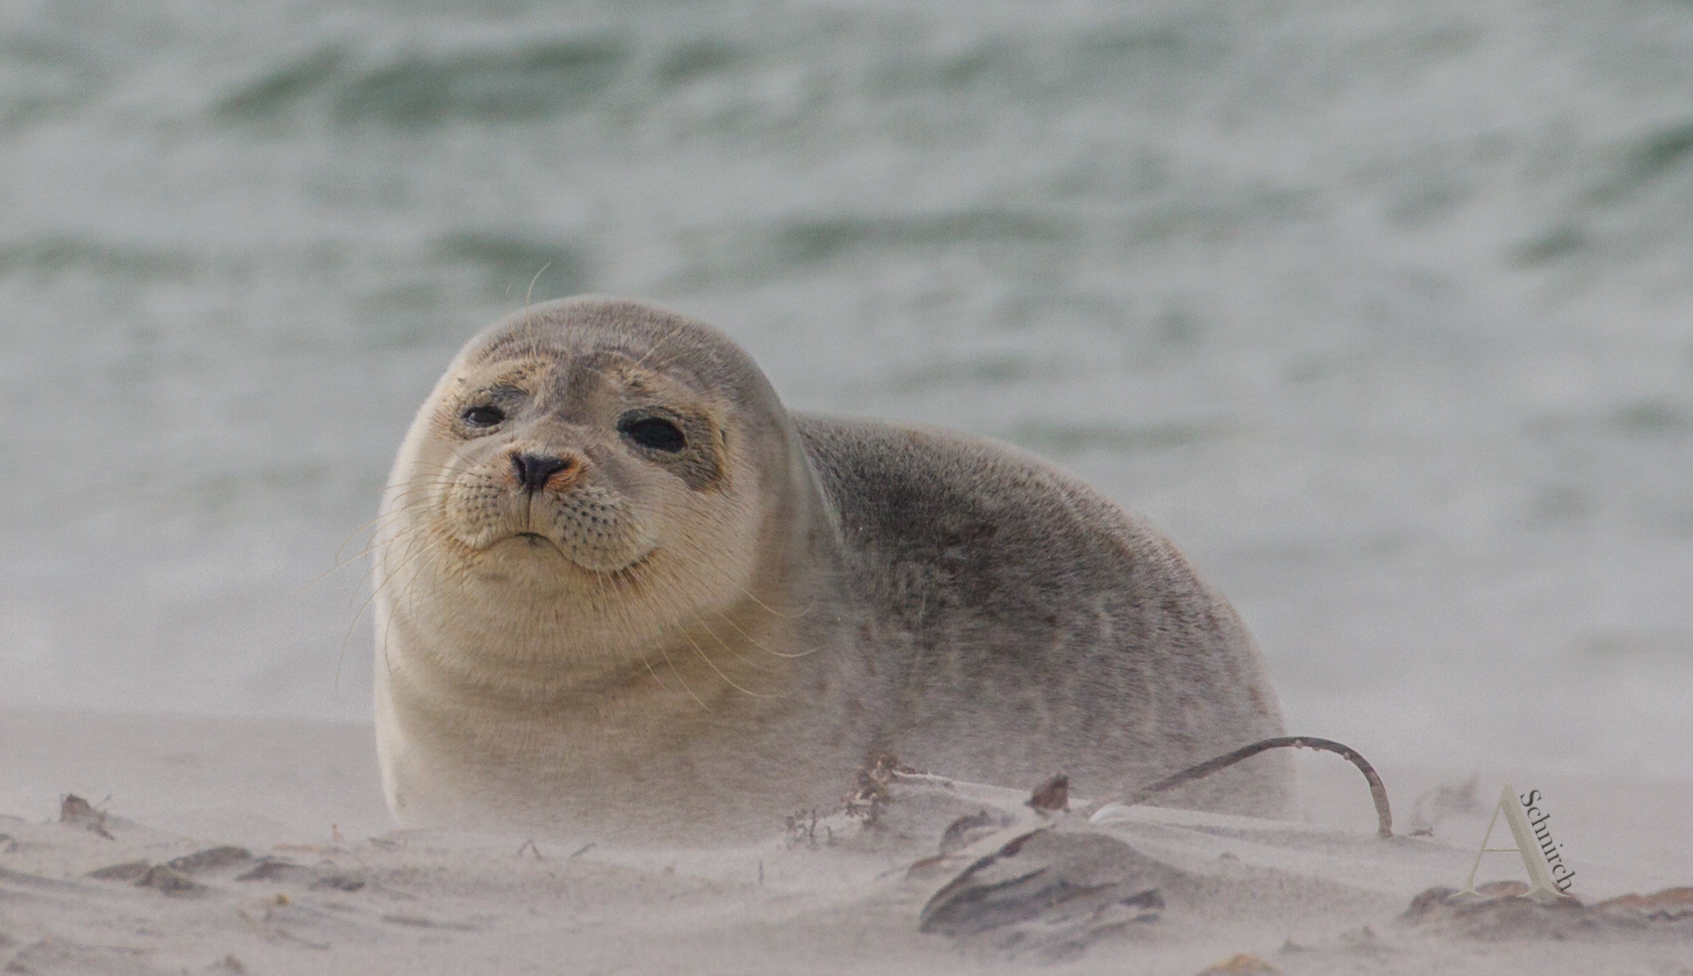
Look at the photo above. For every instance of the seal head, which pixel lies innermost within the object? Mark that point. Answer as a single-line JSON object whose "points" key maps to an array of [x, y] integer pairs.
{"points": [[599, 536]]}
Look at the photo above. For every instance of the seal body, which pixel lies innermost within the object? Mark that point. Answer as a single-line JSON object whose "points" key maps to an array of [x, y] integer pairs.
{"points": [[621, 591]]}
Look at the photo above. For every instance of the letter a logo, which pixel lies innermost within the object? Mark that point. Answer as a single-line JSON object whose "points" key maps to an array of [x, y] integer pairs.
{"points": [[1539, 880]]}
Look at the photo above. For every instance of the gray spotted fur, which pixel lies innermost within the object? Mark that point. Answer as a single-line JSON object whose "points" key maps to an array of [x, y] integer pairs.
{"points": [[1031, 626]]}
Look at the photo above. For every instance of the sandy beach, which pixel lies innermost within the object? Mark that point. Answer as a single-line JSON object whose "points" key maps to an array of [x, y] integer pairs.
{"points": [[215, 845], [1379, 310]]}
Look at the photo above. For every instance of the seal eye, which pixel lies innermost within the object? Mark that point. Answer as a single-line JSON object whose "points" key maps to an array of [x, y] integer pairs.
{"points": [[654, 432], [484, 416]]}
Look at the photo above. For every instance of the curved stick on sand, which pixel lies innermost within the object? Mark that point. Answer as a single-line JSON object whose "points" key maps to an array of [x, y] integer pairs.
{"points": [[1378, 792]]}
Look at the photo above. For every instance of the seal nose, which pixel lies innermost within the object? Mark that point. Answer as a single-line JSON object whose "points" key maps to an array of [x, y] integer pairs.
{"points": [[533, 470]]}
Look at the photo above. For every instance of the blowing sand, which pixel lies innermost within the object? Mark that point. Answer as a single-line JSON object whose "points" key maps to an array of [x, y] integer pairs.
{"points": [[256, 846]]}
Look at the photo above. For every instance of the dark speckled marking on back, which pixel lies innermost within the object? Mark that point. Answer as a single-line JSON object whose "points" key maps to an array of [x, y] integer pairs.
{"points": [[1038, 627]]}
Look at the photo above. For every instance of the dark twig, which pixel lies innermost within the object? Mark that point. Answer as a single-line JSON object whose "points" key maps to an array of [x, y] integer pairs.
{"points": [[76, 811], [1054, 794], [1378, 793]]}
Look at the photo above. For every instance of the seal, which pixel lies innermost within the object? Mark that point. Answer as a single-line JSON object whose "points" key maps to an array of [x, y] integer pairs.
{"points": [[621, 591]]}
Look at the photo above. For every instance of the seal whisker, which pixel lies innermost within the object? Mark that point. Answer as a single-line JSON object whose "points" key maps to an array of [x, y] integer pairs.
{"points": [[602, 607], [678, 673], [370, 546], [655, 347], [346, 638], [417, 572], [776, 613], [665, 652], [748, 595], [749, 662], [416, 546], [713, 665], [756, 643], [392, 519], [531, 291]]}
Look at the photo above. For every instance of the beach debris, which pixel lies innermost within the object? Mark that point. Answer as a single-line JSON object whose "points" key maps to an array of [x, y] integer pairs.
{"points": [[338, 882], [870, 787], [127, 871], [1240, 964], [968, 829], [1669, 905], [1051, 893], [1378, 792], [166, 876], [278, 869], [169, 882], [285, 871], [1502, 912], [1052, 795], [227, 966], [210, 859], [801, 828], [529, 845], [75, 811]]}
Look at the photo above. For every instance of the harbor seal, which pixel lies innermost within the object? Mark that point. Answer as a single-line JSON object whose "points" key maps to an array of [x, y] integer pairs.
{"points": [[621, 591]]}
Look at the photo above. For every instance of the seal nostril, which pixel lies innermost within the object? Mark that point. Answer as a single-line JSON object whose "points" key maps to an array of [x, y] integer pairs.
{"points": [[533, 470]]}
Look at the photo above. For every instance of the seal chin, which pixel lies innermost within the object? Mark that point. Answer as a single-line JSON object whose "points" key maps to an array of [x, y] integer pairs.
{"points": [[530, 544]]}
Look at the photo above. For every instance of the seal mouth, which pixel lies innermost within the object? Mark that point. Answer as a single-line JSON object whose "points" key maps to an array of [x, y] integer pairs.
{"points": [[529, 540], [536, 540]]}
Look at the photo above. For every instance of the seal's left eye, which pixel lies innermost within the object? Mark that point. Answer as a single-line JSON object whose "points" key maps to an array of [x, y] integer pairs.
{"points": [[484, 416], [654, 432]]}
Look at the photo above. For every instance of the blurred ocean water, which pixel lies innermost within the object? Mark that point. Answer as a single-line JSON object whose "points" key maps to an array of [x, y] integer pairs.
{"points": [[1384, 311]]}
